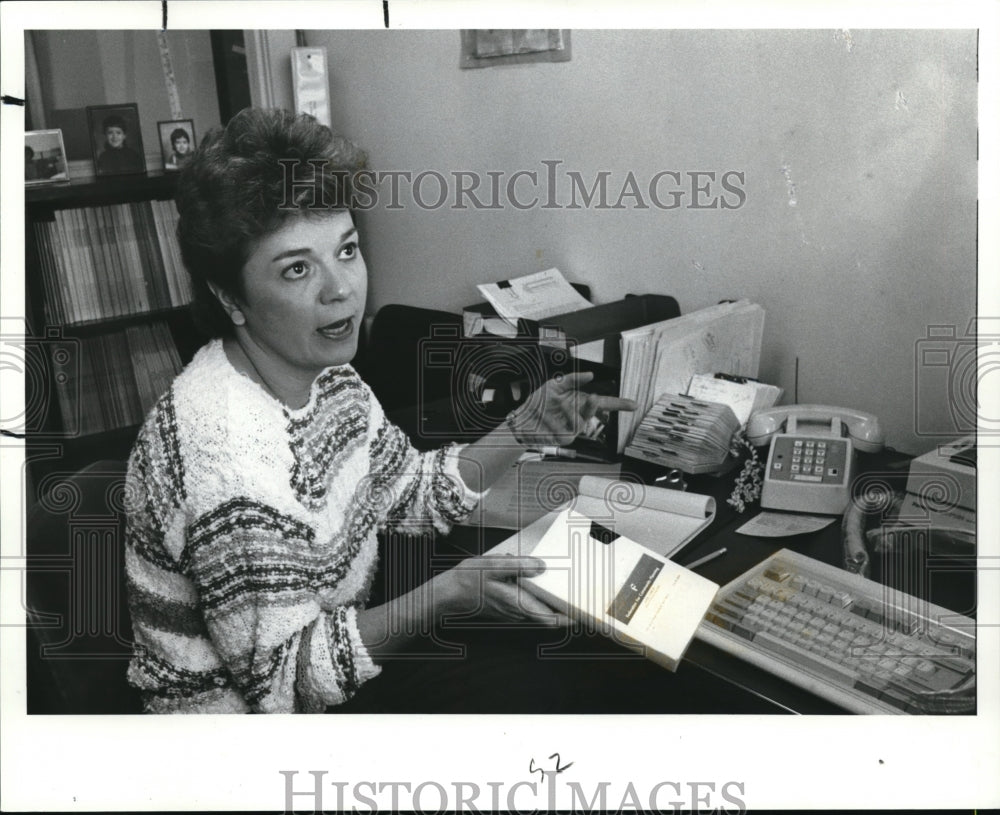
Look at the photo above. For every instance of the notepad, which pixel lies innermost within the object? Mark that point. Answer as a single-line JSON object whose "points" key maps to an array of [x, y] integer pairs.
{"points": [[623, 589], [531, 488], [663, 520], [660, 519]]}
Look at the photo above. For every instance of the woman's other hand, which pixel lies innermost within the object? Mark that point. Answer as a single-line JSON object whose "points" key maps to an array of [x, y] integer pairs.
{"points": [[559, 411]]}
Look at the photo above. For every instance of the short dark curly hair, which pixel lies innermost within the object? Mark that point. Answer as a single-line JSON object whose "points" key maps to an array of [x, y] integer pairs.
{"points": [[114, 120], [243, 182]]}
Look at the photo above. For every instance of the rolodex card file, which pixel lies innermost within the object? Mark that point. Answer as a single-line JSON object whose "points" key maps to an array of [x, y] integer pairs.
{"points": [[623, 589]]}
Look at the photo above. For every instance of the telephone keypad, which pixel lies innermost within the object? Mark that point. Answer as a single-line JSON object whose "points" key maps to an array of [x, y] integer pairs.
{"points": [[809, 460]]}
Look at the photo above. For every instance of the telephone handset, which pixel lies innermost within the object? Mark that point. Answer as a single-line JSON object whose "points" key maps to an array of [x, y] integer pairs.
{"points": [[810, 463]]}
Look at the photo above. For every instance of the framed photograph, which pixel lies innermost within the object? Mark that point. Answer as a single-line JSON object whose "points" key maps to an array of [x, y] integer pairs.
{"points": [[177, 142], [115, 139], [44, 157], [489, 47]]}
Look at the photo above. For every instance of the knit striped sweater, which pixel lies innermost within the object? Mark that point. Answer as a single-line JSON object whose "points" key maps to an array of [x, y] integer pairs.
{"points": [[251, 537]]}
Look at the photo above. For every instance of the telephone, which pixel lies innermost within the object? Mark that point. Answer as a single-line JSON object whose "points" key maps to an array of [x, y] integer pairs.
{"points": [[810, 463]]}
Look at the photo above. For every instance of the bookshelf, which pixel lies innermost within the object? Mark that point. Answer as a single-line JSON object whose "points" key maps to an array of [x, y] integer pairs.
{"points": [[107, 318]]}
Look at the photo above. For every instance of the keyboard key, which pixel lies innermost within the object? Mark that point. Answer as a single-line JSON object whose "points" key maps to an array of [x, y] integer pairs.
{"points": [[805, 659], [777, 574]]}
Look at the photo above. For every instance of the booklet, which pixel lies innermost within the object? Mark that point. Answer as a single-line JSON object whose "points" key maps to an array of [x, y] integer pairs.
{"points": [[623, 589]]}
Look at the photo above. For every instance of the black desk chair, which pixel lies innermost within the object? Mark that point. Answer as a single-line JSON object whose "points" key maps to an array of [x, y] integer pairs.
{"points": [[79, 634], [393, 359]]}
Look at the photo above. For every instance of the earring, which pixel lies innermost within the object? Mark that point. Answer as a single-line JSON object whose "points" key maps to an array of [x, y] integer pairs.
{"points": [[237, 317]]}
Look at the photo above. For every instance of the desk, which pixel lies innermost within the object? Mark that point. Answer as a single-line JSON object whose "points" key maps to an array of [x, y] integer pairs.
{"points": [[509, 668]]}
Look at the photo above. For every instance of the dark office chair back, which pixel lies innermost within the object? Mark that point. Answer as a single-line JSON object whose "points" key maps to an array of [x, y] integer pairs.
{"points": [[79, 633], [394, 359]]}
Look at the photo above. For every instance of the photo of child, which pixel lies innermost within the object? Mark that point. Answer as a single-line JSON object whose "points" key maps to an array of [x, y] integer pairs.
{"points": [[115, 139], [176, 142]]}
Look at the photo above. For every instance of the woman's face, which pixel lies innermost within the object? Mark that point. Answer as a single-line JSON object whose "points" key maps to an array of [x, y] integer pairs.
{"points": [[305, 286], [181, 145]]}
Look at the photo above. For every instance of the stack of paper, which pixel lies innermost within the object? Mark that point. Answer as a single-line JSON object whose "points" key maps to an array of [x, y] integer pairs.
{"points": [[663, 357], [686, 433]]}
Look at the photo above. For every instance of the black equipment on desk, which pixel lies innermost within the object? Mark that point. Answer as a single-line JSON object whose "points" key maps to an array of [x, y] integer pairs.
{"points": [[419, 359]]}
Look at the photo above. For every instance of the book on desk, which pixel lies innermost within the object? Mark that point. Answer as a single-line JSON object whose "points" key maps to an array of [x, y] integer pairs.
{"points": [[627, 592]]}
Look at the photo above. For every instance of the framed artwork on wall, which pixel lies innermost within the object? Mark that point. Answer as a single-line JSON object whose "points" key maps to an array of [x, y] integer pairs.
{"points": [[489, 47]]}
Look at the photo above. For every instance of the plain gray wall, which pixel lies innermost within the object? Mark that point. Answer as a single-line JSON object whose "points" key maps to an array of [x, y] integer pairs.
{"points": [[859, 153]]}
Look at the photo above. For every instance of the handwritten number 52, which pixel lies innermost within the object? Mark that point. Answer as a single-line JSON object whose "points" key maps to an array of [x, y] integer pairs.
{"points": [[558, 768]]}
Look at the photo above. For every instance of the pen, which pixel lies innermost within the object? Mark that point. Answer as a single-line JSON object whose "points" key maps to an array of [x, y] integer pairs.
{"points": [[703, 560], [566, 452]]}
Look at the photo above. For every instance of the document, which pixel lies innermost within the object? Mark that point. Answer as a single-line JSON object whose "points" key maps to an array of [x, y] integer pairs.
{"points": [[533, 297], [624, 590], [745, 398], [782, 525]]}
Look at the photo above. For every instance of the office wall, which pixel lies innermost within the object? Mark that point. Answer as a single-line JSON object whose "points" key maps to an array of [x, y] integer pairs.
{"points": [[859, 152]]}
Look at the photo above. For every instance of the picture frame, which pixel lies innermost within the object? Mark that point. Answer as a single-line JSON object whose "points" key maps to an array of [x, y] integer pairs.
{"points": [[116, 139], [44, 158], [177, 142], [490, 47]]}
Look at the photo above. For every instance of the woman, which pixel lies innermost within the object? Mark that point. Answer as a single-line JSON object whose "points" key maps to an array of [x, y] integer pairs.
{"points": [[259, 480]]}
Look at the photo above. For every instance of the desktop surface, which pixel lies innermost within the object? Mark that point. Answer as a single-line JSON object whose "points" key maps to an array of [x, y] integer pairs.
{"points": [[584, 672]]}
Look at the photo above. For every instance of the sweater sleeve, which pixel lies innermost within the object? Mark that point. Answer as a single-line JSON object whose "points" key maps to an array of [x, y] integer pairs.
{"points": [[286, 649], [411, 488]]}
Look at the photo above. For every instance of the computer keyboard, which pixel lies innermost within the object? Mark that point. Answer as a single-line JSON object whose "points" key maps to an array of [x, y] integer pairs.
{"points": [[855, 642]]}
